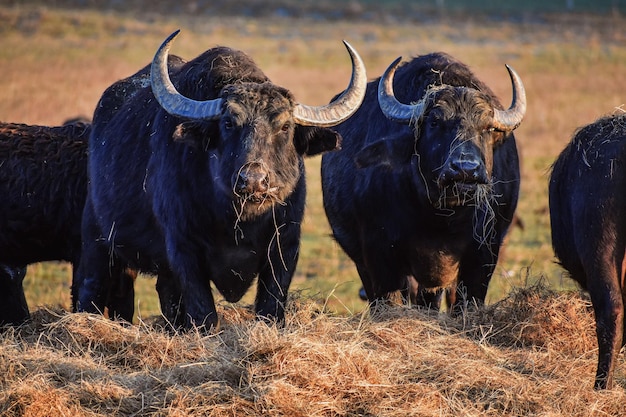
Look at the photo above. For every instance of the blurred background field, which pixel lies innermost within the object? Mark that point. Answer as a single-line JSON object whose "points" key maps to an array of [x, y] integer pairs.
{"points": [[58, 56]]}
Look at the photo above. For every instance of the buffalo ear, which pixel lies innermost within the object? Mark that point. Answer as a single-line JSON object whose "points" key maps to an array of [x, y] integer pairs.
{"points": [[196, 134], [313, 140], [389, 152]]}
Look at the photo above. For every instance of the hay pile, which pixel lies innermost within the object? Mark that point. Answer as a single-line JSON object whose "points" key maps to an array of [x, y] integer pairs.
{"points": [[533, 353]]}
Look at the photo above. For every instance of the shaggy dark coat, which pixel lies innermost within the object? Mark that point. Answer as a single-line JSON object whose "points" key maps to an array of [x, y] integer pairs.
{"points": [[43, 181], [588, 232], [165, 193], [395, 195]]}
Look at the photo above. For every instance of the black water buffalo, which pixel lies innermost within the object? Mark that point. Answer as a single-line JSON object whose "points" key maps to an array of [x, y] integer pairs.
{"points": [[201, 179], [425, 192], [43, 182], [586, 195]]}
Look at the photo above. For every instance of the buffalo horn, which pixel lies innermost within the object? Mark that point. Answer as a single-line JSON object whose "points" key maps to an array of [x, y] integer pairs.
{"points": [[169, 98], [329, 115], [344, 106], [507, 120], [389, 104]]}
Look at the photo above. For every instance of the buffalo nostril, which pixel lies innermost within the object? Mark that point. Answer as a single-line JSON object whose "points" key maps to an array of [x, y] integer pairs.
{"points": [[252, 182], [261, 183], [466, 169], [463, 169], [241, 184]]}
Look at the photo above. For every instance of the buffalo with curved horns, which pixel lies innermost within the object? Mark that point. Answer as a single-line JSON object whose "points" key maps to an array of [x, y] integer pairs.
{"points": [[200, 178], [586, 194], [427, 181]]}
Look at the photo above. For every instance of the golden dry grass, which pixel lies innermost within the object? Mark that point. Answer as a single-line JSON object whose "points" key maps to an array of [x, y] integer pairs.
{"points": [[532, 353]]}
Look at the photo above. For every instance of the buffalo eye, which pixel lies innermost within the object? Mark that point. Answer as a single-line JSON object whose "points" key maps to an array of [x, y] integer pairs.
{"points": [[285, 127], [493, 135], [434, 119], [434, 122], [228, 123]]}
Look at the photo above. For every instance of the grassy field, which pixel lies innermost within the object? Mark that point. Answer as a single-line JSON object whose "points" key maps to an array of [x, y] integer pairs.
{"points": [[55, 63]]}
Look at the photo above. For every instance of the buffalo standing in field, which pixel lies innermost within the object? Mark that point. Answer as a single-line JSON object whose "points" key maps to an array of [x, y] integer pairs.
{"points": [[586, 193], [201, 180], [424, 193], [43, 183]]}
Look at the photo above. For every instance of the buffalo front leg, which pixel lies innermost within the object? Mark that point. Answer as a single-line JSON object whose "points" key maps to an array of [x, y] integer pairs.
{"points": [[475, 271], [428, 297], [170, 298], [191, 281], [121, 294], [272, 291], [199, 305], [91, 280], [383, 284], [275, 277], [101, 281]]}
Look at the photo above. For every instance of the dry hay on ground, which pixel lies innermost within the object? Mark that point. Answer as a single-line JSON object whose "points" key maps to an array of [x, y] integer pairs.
{"points": [[533, 353]]}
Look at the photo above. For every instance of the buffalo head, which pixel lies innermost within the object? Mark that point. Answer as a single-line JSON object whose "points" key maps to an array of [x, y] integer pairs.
{"points": [[258, 131], [455, 131]]}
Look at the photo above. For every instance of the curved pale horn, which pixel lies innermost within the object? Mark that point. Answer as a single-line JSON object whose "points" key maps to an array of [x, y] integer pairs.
{"points": [[344, 106], [169, 98], [389, 104], [510, 119]]}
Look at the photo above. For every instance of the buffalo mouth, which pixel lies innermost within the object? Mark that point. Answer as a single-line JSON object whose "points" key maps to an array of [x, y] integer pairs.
{"points": [[255, 198], [259, 197], [249, 205], [461, 194]]}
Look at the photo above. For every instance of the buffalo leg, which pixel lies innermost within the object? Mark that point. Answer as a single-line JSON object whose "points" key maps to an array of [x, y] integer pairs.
{"points": [[97, 284], [428, 298], [121, 298], [271, 296], [275, 278], [89, 287], [608, 305], [91, 278], [170, 299], [475, 271], [194, 285], [410, 292], [13, 306], [198, 302], [381, 285], [372, 293]]}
